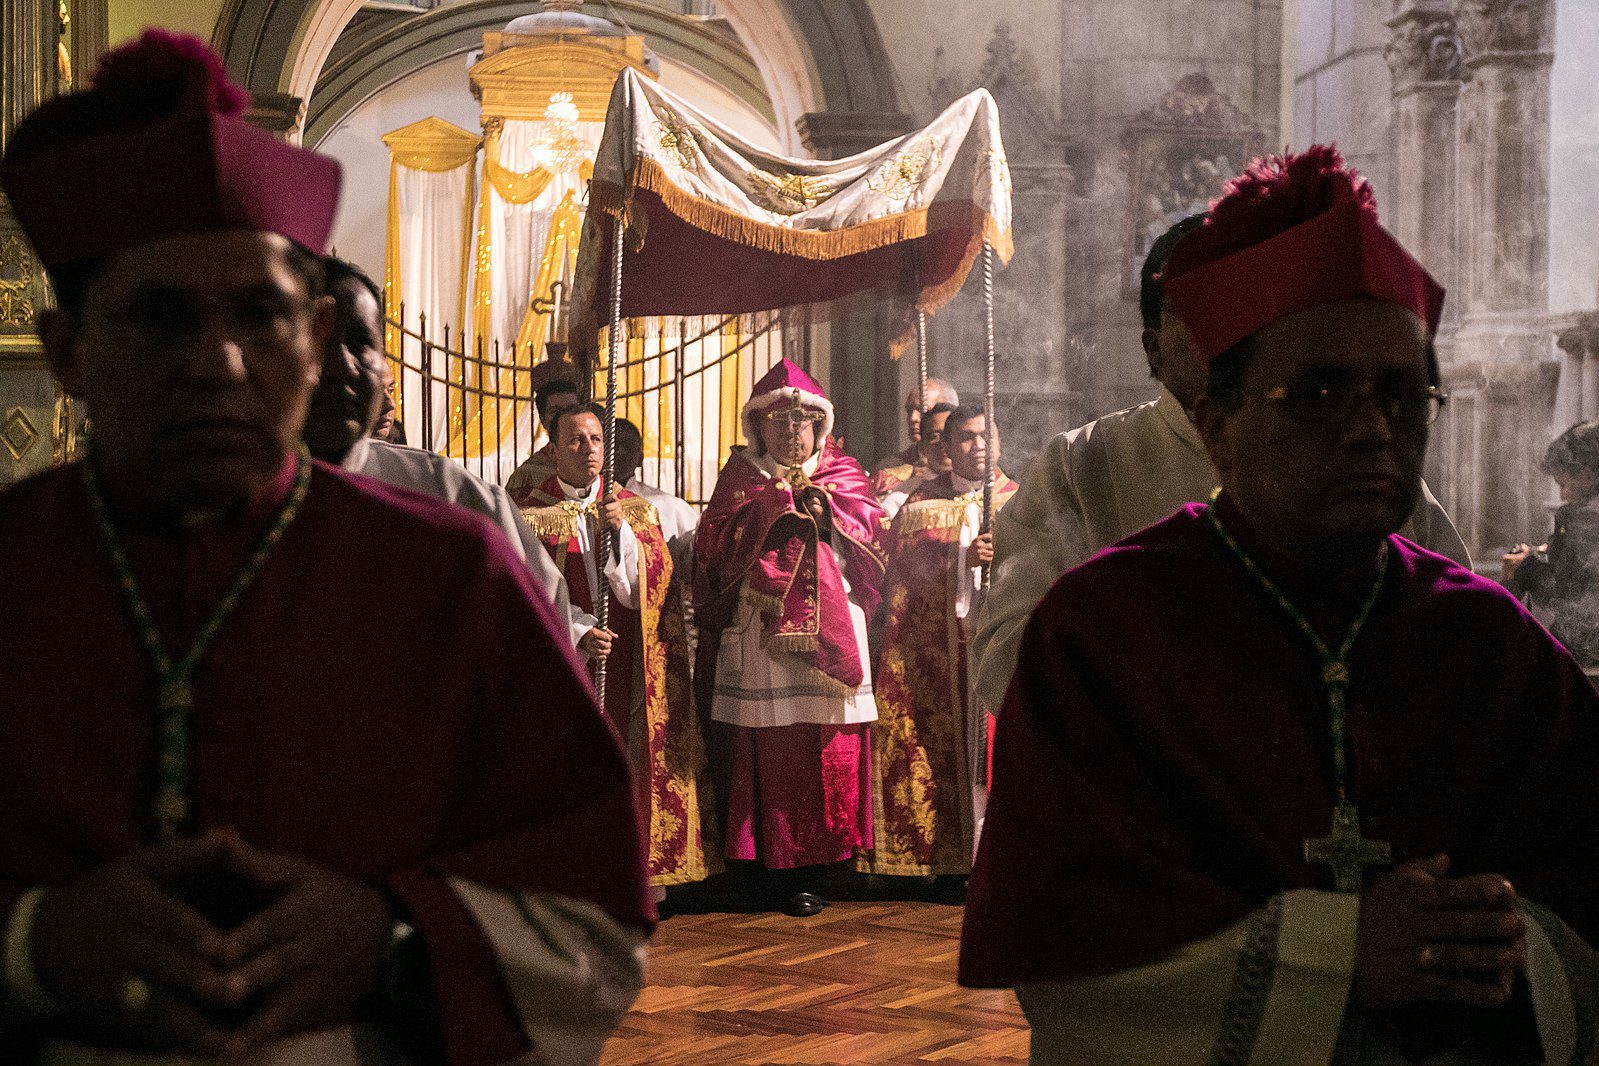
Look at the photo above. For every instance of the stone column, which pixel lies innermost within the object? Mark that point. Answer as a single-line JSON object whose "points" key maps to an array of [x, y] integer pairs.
{"points": [[1504, 343], [863, 382], [1424, 57]]}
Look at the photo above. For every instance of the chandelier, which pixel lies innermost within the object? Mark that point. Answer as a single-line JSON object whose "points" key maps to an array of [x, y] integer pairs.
{"points": [[557, 146]]}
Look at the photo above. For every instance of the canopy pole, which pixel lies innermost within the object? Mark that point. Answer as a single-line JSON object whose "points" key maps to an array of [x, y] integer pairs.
{"points": [[609, 539], [921, 360], [977, 716], [988, 394]]}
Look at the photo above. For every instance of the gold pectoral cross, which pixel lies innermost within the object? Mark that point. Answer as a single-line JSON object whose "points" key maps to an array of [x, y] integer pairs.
{"points": [[1346, 852]]}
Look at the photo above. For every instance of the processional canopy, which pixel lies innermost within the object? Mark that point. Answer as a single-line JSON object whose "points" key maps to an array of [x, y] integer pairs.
{"points": [[716, 225]]}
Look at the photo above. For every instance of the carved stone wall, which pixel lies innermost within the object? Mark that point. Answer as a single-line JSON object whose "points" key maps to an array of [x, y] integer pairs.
{"points": [[1071, 82]]}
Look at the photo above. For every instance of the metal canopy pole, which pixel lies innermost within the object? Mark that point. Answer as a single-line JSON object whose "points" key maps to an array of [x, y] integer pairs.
{"points": [[921, 360], [977, 716], [988, 393], [607, 538]]}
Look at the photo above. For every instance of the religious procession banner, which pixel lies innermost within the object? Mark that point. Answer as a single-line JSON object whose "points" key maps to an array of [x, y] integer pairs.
{"points": [[716, 225]]}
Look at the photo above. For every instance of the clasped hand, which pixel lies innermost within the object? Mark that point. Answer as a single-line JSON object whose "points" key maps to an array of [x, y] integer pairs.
{"points": [[1425, 937], [819, 507], [302, 961]]}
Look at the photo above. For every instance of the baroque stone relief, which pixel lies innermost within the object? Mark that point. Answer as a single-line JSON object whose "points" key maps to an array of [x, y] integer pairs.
{"points": [[1031, 129], [1179, 153]]}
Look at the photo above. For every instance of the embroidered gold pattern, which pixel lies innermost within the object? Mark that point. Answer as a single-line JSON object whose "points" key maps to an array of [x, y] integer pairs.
{"points": [[904, 174]]}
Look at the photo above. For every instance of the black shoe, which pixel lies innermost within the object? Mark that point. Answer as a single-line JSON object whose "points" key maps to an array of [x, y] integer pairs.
{"points": [[803, 905]]}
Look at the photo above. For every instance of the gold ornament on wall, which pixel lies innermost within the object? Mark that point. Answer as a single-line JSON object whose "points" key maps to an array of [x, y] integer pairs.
{"points": [[16, 278], [18, 434]]}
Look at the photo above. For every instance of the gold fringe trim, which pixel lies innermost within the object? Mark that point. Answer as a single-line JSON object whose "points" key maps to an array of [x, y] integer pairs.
{"points": [[615, 201], [714, 218], [930, 514], [761, 602], [934, 299], [791, 642], [890, 868], [551, 522], [901, 473]]}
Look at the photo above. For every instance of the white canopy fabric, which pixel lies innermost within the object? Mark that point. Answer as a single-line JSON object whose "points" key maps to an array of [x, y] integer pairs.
{"points": [[716, 225]]}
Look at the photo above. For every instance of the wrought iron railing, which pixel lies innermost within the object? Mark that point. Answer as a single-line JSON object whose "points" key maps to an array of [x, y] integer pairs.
{"points": [[682, 383]]}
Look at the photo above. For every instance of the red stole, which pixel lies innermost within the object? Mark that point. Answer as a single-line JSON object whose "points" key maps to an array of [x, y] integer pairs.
{"points": [[754, 541]]}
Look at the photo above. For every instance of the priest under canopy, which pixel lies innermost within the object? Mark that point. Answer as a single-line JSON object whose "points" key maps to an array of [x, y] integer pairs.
{"points": [[1352, 814]]}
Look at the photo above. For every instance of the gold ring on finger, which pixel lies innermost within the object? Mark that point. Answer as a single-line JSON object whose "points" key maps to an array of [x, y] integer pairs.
{"points": [[134, 995]]}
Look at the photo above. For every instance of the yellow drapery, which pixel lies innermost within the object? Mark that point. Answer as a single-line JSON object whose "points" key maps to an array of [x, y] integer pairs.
{"points": [[432, 146], [565, 227], [513, 187]]}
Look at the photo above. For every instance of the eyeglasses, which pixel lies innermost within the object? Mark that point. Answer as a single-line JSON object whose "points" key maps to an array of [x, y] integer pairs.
{"points": [[797, 418], [1322, 403]]}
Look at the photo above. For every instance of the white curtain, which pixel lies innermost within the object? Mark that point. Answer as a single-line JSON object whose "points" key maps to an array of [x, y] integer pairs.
{"points": [[517, 236], [434, 229]]}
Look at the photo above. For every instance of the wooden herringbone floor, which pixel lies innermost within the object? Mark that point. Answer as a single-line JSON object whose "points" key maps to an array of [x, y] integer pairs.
{"points": [[858, 983]]}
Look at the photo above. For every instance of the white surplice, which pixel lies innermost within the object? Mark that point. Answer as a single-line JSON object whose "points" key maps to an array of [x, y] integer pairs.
{"points": [[1275, 989]]}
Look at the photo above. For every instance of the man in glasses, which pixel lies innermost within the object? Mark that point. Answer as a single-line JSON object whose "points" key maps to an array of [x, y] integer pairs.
{"points": [[1274, 784], [237, 820], [1104, 481], [786, 576]]}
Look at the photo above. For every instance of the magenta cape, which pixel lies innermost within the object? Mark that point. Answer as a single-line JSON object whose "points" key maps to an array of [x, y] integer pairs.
{"points": [[400, 726], [1164, 752], [752, 533]]}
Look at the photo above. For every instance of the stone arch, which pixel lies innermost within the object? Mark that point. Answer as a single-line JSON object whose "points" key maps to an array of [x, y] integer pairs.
{"points": [[377, 56], [812, 55]]}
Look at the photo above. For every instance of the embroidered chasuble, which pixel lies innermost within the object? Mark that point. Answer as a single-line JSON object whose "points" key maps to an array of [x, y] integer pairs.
{"points": [[1165, 754], [424, 727], [921, 743], [649, 694]]}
